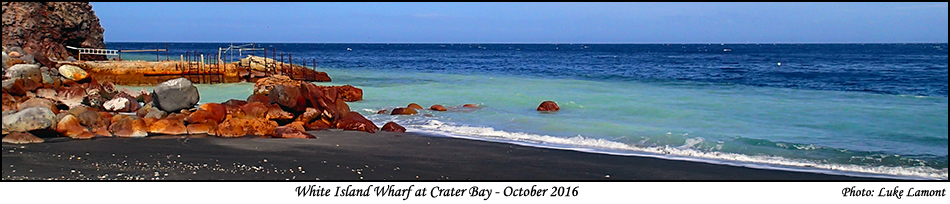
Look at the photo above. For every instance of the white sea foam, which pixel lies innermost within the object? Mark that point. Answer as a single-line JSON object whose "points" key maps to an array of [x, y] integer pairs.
{"points": [[684, 152]]}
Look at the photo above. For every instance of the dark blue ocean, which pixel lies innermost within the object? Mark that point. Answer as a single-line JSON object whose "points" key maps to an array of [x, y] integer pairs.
{"points": [[870, 109]]}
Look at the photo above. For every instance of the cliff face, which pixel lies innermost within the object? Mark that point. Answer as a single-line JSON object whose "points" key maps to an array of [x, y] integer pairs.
{"points": [[48, 27]]}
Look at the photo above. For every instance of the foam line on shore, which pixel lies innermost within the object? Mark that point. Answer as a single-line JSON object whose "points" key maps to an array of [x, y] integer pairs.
{"points": [[602, 146]]}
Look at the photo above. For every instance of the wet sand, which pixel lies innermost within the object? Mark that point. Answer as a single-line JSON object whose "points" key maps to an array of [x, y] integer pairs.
{"points": [[348, 155]]}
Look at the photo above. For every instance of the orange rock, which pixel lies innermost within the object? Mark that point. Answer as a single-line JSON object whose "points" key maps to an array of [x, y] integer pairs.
{"points": [[309, 115], [355, 121], [255, 110], [264, 86], [393, 127], [9, 101], [548, 106], [217, 111], [263, 98], [69, 126], [414, 106], [200, 116], [168, 126], [230, 127], [292, 130], [470, 105], [404, 111], [437, 107], [102, 131], [22, 138], [239, 127], [200, 128], [350, 93], [317, 125], [288, 97], [274, 112]]}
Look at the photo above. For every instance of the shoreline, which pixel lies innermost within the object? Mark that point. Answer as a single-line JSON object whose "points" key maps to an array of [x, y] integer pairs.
{"points": [[352, 155]]}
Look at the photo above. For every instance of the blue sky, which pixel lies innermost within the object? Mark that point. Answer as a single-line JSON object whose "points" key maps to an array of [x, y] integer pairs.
{"points": [[501, 22]]}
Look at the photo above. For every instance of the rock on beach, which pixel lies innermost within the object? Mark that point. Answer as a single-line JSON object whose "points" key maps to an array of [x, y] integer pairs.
{"points": [[175, 94]]}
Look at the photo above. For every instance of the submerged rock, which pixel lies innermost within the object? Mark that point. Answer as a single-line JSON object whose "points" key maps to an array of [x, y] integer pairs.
{"points": [[175, 94], [437, 107], [404, 111], [548, 106], [393, 127], [414, 106]]}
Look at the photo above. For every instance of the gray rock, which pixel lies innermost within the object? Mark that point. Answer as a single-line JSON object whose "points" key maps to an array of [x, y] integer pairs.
{"points": [[25, 71], [29, 119], [156, 113], [5, 57], [175, 94]]}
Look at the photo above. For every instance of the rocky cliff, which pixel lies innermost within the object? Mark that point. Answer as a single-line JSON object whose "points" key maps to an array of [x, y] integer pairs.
{"points": [[45, 28]]}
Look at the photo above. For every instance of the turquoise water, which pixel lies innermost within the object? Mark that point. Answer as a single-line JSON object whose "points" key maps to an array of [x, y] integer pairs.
{"points": [[879, 114], [837, 132]]}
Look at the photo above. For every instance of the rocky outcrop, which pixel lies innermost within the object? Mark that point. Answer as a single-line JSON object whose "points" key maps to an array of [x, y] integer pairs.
{"points": [[46, 28]]}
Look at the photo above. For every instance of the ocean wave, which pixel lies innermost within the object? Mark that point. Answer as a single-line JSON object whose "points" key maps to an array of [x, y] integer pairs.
{"points": [[684, 152]]}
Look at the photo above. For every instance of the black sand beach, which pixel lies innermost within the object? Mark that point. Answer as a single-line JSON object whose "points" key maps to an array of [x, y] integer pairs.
{"points": [[348, 155]]}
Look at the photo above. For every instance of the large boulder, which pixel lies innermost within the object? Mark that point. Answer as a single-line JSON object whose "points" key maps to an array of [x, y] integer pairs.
{"points": [[548, 106], [175, 94], [36, 118], [72, 72], [355, 121], [288, 97]]}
